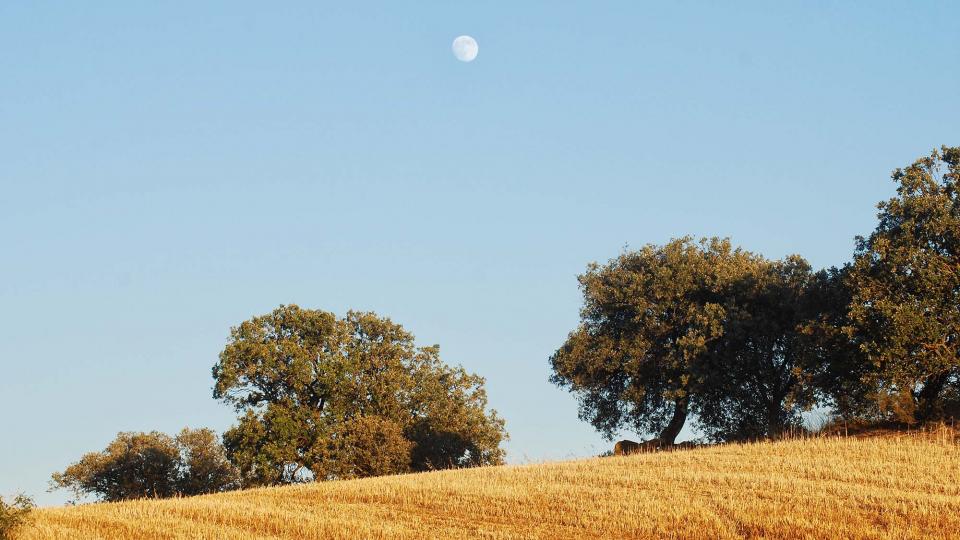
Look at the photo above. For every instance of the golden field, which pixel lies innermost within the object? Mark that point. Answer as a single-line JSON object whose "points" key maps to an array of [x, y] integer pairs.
{"points": [[903, 486]]}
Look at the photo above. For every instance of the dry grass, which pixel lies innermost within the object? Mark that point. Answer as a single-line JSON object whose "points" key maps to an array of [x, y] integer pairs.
{"points": [[891, 487]]}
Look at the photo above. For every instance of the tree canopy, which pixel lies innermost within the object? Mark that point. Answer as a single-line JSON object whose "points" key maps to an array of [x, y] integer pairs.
{"points": [[905, 283], [691, 327], [307, 385], [152, 465], [747, 344], [757, 380]]}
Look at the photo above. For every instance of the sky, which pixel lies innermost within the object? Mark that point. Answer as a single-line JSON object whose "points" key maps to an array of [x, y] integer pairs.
{"points": [[171, 169]]}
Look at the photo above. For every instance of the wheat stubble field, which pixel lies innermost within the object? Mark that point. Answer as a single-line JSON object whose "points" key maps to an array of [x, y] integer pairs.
{"points": [[905, 486]]}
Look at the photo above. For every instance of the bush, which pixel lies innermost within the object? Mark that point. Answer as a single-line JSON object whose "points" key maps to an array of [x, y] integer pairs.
{"points": [[152, 465], [204, 467], [14, 515], [370, 446]]}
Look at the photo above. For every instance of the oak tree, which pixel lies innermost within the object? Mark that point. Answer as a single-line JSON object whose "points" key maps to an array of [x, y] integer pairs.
{"points": [[905, 282], [760, 376], [693, 328], [650, 318], [305, 382], [139, 465]]}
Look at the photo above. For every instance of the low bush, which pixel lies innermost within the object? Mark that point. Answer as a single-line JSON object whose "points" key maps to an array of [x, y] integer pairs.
{"points": [[14, 515]]}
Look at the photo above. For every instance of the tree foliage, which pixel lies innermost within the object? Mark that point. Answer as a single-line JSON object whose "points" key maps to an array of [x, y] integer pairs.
{"points": [[758, 379], [203, 466], [905, 282], [152, 465], [692, 327], [836, 363], [14, 515], [370, 446], [747, 344], [649, 318], [305, 382]]}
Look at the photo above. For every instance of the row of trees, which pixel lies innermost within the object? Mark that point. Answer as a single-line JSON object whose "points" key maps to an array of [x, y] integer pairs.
{"points": [[741, 343], [318, 397], [747, 344]]}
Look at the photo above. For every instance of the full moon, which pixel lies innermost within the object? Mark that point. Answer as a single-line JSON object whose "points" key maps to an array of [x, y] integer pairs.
{"points": [[465, 48]]}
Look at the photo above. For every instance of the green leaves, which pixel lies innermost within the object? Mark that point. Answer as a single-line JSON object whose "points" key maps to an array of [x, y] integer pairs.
{"points": [[905, 281], [748, 344], [690, 326], [369, 446], [152, 465], [302, 378], [649, 318], [14, 515]]}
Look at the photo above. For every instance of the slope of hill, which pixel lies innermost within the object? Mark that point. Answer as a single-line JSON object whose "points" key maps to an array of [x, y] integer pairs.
{"points": [[891, 487]]}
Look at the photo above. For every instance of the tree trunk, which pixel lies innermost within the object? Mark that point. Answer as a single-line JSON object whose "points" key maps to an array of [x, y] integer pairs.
{"points": [[774, 426], [669, 434], [775, 417], [927, 398]]}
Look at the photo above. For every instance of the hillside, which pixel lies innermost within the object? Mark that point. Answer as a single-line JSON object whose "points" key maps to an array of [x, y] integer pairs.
{"points": [[889, 487]]}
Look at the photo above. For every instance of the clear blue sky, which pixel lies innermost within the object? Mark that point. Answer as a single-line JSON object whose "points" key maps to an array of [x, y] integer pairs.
{"points": [[170, 169]]}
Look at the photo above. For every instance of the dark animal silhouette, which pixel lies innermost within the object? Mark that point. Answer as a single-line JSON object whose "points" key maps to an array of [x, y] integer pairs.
{"points": [[625, 447], [686, 445]]}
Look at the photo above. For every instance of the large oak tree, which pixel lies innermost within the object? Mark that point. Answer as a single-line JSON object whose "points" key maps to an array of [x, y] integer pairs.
{"points": [[691, 327], [649, 318], [325, 397], [760, 376], [905, 281]]}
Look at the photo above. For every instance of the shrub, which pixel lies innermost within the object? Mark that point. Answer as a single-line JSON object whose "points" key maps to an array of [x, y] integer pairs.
{"points": [[370, 446], [152, 465], [14, 515]]}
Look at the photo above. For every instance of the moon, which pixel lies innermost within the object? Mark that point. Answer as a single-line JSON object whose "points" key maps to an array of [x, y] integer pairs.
{"points": [[465, 48]]}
